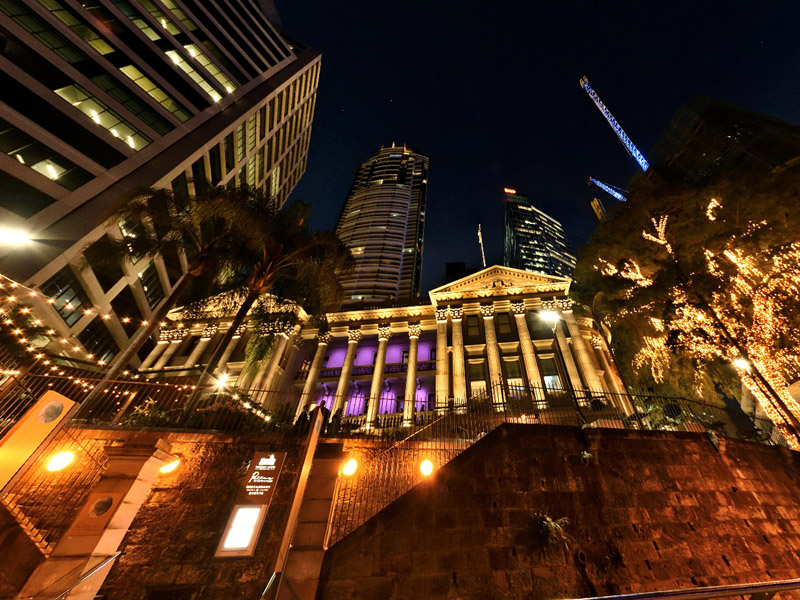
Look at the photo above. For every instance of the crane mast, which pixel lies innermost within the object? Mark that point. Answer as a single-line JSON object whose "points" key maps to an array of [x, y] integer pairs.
{"points": [[626, 141], [480, 241], [614, 191]]}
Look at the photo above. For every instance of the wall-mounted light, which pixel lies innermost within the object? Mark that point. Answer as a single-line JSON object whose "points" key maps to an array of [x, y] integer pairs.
{"points": [[350, 467], [14, 237], [170, 466], [549, 316], [60, 460], [426, 467]]}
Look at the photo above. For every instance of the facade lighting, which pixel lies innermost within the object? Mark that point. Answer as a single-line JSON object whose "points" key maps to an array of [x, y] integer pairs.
{"points": [[426, 467], [170, 467], [549, 316]]}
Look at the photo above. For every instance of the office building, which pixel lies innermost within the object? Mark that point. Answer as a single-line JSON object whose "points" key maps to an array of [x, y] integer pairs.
{"points": [[708, 138], [383, 224], [534, 241], [102, 98]]}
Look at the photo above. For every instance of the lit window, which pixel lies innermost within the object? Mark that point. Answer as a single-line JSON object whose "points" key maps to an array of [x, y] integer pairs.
{"points": [[155, 92], [209, 66], [241, 534], [184, 66]]}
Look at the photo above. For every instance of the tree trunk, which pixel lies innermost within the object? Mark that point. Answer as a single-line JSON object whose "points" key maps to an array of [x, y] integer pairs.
{"points": [[121, 361]]}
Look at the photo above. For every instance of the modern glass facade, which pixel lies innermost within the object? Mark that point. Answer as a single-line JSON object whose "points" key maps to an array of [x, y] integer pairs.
{"points": [[100, 98], [534, 241], [383, 225]]}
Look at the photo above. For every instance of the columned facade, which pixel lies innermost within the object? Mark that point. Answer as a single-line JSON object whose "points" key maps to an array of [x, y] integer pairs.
{"points": [[402, 366]]}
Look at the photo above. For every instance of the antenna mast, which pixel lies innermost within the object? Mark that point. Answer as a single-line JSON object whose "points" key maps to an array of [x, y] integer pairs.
{"points": [[480, 241]]}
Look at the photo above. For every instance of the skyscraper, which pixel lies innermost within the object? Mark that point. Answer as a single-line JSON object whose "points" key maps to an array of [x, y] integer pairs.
{"points": [[383, 223], [100, 98], [534, 241]]}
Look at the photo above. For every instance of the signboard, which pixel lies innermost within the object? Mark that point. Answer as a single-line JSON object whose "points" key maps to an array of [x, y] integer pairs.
{"points": [[252, 501], [262, 477]]}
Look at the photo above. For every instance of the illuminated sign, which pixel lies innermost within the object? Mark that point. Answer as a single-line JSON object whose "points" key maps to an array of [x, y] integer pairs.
{"points": [[509, 191], [252, 501]]}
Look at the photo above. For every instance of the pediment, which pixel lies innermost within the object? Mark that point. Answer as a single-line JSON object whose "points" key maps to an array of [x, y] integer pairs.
{"points": [[500, 281]]}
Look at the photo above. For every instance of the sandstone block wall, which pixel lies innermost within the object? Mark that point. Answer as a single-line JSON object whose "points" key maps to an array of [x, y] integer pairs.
{"points": [[646, 511]]}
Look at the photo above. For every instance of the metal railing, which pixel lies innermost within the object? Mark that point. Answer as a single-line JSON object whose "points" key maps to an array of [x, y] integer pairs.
{"points": [[44, 503], [762, 590], [383, 475]]}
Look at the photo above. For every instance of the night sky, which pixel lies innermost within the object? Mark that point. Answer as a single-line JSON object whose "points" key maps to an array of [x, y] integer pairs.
{"points": [[489, 91]]}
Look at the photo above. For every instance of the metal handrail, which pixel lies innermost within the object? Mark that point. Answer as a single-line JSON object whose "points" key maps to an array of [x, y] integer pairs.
{"points": [[715, 591], [78, 581]]}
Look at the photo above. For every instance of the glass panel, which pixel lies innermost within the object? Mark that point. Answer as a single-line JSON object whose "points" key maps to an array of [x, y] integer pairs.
{"points": [[209, 66], [155, 92], [66, 295], [87, 33], [184, 66], [151, 285]]}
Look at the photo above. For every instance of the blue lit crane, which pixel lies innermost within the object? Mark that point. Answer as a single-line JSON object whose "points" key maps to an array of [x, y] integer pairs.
{"points": [[626, 141], [611, 189]]}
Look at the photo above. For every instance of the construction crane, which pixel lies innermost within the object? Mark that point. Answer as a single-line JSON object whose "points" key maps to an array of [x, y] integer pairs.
{"points": [[480, 241], [626, 141], [611, 189]]}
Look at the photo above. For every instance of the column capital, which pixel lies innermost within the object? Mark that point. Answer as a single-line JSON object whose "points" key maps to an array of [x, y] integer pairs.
{"points": [[384, 333], [518, 308], [597, 341], [487, 310], [209, 331], [354, 336], [456, 313], [557, 303], [298, 342], [414, 330], [441, 315], [172, 335], [324, 338]]}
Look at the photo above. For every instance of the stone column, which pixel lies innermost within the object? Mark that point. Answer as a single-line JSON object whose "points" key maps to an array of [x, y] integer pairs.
{"points": [[410, 397], [205, 339], [353, 337], [528, 351], [493, 353], [161, 345], [459, 374], [273, 372], [569, 363], [582, 352], [384, 333], [310, 386], [621, 399], [176, 337], [223, 361], [442, 374]]}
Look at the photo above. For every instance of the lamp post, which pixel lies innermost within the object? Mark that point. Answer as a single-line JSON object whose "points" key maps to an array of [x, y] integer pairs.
{"points": [[552, 318]]}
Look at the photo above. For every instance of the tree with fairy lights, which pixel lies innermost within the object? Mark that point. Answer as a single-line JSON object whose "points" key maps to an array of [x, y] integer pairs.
{"points": [[701, 289]]}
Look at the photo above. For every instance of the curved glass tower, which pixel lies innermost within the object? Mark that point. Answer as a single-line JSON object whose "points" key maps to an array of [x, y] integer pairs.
{"points": [[383, 223]]}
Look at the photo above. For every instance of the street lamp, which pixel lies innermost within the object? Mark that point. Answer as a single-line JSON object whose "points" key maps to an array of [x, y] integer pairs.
{"points": [[552, 318], [13, 237]]}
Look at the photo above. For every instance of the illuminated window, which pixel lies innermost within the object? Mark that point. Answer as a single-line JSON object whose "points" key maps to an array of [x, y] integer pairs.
{"points": [[503, 323], [184, 66], [89, 35], [241, 534], [103, 116], [209, 66], [155, 92], [473, 326]]}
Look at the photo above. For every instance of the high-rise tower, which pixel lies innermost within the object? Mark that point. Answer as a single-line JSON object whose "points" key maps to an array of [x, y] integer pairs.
{"points": [[383, 222], [103, 97], [534, 240]]}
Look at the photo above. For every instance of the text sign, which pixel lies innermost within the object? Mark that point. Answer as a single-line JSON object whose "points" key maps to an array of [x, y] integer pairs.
{"points": [[262, 477]]}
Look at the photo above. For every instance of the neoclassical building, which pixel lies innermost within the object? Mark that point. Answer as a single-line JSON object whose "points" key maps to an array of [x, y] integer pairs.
{"points": [[491, 334]]}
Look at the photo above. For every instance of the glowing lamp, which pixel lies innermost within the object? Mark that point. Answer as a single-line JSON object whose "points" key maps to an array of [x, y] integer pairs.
{"points": [[60, 460], [509, 191], [14, 237], [222, 380], [426, 467], [171, 466], [549, 316], [350, 467], [742, 363]]}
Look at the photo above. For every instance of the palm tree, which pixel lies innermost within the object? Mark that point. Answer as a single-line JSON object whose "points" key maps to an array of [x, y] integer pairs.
{"points": [[278, 255], [193, 226]]}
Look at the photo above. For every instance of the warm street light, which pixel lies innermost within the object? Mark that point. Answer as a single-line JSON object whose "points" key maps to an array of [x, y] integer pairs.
{"points": [[223, 379], [426, 467], [549, 316], [742, 363], [13, 237]]}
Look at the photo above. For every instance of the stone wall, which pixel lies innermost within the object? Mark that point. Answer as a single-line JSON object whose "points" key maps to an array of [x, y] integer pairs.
{"points": [[644, 511], [169, 549]]}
